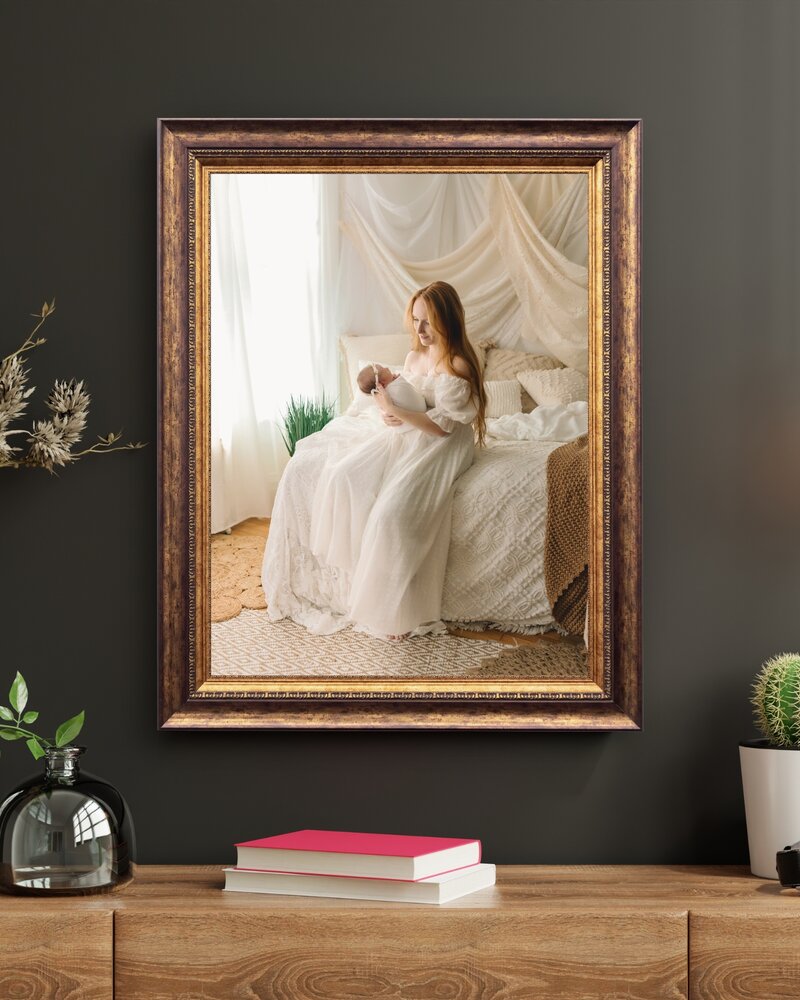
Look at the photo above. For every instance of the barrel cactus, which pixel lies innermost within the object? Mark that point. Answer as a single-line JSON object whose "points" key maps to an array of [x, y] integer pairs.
{"points": [[776, 699]]}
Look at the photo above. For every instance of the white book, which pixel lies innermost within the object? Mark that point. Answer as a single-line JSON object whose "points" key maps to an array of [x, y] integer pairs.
{"points": [[437, 889]]}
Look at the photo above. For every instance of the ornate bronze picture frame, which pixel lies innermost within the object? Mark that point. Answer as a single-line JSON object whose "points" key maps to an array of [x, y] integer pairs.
{"points": [[607, 155]]}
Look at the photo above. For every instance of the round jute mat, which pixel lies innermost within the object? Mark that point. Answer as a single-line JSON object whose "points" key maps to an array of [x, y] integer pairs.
{"points": [[235, 575]]}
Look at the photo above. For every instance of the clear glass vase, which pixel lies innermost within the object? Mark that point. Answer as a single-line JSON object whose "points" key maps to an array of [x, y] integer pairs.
{"points": [[64, 832]]}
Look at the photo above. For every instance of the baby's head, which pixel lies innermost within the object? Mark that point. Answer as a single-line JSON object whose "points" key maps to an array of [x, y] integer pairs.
{"points": [[371, 376]]}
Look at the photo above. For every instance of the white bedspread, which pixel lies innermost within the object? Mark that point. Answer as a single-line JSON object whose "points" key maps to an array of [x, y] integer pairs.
{"points": [[495, 568]]}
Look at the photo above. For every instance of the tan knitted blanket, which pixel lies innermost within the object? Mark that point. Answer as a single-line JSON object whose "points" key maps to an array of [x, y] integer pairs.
{"points": [[566, 547]]}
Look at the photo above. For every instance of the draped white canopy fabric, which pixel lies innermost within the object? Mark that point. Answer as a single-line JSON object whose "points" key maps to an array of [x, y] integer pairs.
{"points": [[299, 260], [522, 284]]}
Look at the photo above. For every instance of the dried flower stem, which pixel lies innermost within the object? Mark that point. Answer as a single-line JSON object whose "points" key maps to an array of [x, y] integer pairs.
{"points": [[50, 441], [99, 449], [30, 343]]}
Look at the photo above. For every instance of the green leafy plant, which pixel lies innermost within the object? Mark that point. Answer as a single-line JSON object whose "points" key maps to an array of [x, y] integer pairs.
{"points": [[304, 417], [49, 442], [776, 699], [15, 720]]}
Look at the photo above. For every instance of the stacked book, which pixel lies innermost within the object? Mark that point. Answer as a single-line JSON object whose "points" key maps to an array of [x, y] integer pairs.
{"points": [[360, 866]]}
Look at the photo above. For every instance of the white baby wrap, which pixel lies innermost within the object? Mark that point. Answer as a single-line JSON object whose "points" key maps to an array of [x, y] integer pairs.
{"points": [[403, 394]]}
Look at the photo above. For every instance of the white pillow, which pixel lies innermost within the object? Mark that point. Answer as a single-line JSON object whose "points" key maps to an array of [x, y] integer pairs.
{"points": [[503, 398], [389, 349], [556, 386]]}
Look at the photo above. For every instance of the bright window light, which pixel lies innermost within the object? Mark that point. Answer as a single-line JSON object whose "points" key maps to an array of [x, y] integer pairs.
{"points": [[264, 262]]}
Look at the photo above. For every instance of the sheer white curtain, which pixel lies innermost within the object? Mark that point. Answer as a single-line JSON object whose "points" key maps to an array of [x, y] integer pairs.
{"points": [[297, 260], [268, 330]]}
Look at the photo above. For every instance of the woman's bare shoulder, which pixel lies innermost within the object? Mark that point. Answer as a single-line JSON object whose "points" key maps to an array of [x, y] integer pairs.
{"points": [[460, 367], [414, 362]]}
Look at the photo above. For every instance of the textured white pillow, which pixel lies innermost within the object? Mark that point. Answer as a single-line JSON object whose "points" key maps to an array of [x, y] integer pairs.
{"points": [[501, 363], [388, 349], [557, 386], [503, 398]]}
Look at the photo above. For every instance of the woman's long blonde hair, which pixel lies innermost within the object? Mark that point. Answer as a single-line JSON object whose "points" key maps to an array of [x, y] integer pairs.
{"points": [[446, 316]]}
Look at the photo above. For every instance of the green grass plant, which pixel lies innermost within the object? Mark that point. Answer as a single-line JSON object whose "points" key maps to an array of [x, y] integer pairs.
{"points": [[304, 417]]}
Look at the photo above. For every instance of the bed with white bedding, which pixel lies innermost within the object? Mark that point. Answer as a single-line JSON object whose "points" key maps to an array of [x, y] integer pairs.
{"points": [[495, 567]]}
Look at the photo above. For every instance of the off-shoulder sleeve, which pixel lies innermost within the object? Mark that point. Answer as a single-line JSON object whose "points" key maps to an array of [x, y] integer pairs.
{"points": [[452, 403]]}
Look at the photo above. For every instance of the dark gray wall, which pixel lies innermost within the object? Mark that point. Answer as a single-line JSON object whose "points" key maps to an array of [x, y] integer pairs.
{"points": [[717, 86]]}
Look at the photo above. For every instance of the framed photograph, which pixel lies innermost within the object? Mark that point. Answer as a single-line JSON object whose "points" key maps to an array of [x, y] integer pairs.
{"points": [[399, 470]]}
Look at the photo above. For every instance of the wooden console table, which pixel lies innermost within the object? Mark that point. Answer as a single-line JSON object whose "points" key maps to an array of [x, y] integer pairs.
{"points": [[594, 933]]}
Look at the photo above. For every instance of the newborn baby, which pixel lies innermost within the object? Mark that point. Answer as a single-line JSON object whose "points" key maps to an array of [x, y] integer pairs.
{"points": [[401, 392]]}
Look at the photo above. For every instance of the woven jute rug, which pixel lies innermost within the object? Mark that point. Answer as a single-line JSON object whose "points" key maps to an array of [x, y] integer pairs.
{"points": [[236, 570], [249, 645]]}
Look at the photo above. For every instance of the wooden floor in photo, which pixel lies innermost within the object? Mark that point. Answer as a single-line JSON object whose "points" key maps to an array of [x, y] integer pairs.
{"points": [[246, 644]]}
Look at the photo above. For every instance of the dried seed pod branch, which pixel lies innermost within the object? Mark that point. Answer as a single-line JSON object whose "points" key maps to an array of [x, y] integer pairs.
{"points": [[50, 442]]}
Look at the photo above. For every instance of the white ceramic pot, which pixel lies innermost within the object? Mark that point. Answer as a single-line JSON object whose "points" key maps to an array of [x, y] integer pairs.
{"points": [[771, 785]]}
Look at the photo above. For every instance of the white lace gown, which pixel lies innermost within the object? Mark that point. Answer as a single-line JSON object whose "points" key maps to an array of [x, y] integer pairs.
{"points": [[360, 528]]}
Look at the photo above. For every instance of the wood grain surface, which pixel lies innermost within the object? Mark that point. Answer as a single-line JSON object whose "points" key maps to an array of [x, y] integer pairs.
{"points": [[746, 954], [420, 953], [56, 954], [539, 887], [604, 931], [698, 888]]}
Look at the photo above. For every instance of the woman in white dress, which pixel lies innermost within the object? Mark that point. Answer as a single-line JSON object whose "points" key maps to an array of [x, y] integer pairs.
{"points": [[360, 529]]}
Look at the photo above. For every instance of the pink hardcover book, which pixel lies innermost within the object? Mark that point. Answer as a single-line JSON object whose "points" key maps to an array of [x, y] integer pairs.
{"points": [[362, 855]]}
